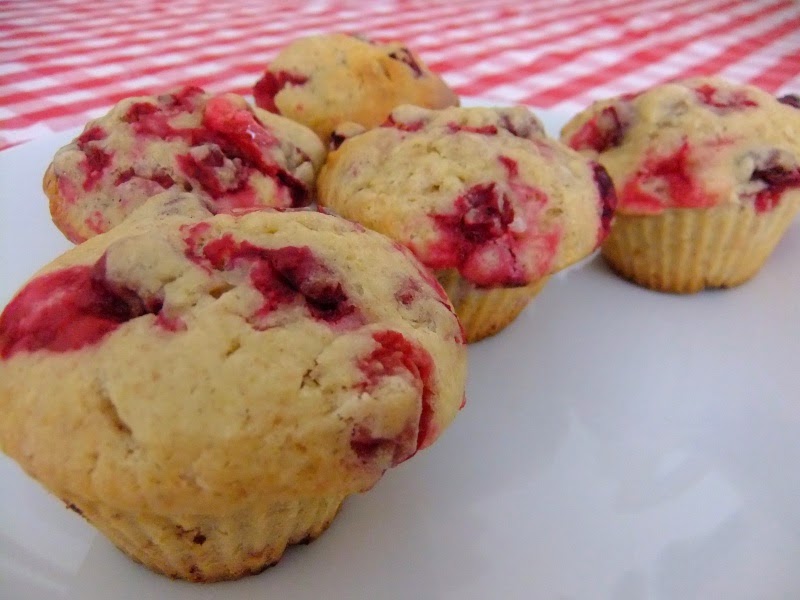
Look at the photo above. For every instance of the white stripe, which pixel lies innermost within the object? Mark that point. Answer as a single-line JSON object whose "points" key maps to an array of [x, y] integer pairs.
{"points": [[676, 62]]}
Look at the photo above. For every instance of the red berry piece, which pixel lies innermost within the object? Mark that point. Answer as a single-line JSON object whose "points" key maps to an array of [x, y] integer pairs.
{"points": [[66, 310], [94, 166], [161, 177], [93, 134], [486, 214], [151, 120], [608, 200], [408, 292], [792, 100], [301, 271], [520, 129], [402, 125], [603, 131], [241, 135], [270, 84], [204, 172], [395, 355], [724, 101], [484, 130], [337, 139], [776, 178], [671, 176], [184, 100], [404, 56], [478, 239], [283, 276]]}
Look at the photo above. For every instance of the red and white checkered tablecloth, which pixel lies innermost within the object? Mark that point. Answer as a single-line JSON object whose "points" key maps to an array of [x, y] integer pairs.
{"points": [[63, 62]]}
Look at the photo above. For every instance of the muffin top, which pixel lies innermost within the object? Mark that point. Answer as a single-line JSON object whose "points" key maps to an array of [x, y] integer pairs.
{"points": [[231, 154], [695, 143], [479, 190], [194, 363], [322, 81]]}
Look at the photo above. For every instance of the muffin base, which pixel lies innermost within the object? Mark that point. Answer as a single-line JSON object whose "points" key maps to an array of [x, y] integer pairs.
{"points": [[209, 548], [485, 311], [686, 250]]}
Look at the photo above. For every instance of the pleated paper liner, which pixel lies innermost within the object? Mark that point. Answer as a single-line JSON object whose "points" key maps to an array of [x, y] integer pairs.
{"points": [[686, 250], [207, 548], [485, 311]]}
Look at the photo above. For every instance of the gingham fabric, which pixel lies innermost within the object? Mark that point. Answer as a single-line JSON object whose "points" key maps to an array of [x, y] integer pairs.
{"points": [[63, 62]]}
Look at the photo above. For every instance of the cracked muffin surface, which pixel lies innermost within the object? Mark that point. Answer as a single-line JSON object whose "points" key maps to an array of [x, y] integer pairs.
{"points": [[322, 81], [190, 372], [708, 177], [229, 153], [480, 195]]}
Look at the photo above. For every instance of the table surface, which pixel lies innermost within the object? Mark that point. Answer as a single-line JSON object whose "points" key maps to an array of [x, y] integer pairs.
{"points": [[63, 62]]}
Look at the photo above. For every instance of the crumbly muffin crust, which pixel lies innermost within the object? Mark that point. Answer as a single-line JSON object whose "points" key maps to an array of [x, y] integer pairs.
{"points": [[322, 81], [695, 143], [231, 154], [189, 364], [479, 190]]}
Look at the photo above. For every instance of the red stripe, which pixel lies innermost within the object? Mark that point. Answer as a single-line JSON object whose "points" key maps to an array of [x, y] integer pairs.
{"points": [[623, 10], [746, 47], [782, 71], [553, 59], [645, 56], [254, 67], [127, 24]]}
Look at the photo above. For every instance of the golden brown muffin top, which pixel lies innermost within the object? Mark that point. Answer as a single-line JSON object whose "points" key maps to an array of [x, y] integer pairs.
{"points": [[190, 362]]}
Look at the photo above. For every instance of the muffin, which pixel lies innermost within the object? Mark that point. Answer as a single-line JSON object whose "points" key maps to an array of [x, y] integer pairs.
{"points": [[707, 176], [322, 81], [230, 154], [479, 195], [206, 390]]}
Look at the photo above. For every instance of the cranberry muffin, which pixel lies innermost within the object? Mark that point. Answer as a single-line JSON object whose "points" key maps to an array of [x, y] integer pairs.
{"points": [[230, 154], [708, 178], [322, 81], [481, 196], [206, 390]]}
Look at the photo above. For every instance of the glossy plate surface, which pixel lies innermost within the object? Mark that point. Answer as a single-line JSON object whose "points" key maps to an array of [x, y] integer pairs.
{"points": [[617, 444]]}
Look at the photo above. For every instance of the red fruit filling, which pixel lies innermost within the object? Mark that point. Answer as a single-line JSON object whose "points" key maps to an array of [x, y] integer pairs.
{"points": [[234, 133], [792, 100], [724, 100], [161, 177], [664, 182], [395, 355], [404, 56], [603, 131], [283, 276], [96, 222], [403, 126], [93, 134], [480, 222], [151, 120], [478, 240], [484, 130], [521, 130], [270, 84], [184, 100], [777, 179], [67, 310], [408, 292], [337, 139], [229, 131], [94, 164], [608, 200]]}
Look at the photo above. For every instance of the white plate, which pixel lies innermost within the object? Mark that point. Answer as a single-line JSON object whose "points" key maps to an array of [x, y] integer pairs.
{"points": [[617, 444]]}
